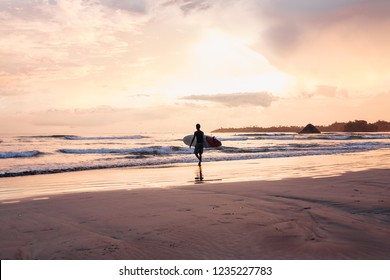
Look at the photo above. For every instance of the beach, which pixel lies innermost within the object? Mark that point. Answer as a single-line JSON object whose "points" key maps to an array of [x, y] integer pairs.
{"points": [[290, 100], [113, 214]]}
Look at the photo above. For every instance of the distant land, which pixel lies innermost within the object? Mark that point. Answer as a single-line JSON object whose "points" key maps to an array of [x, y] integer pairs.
{"points": [[351, 126]]}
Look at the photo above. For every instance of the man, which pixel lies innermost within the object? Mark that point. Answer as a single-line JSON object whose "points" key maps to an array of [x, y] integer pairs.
{"points": [[198, 151]]}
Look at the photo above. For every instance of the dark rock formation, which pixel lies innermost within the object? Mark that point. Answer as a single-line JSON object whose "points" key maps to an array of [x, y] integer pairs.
{"points": [[309, 129]]}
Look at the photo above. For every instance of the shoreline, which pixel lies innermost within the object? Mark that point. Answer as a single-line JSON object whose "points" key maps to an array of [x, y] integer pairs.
{"points": [[15, 189], [337, 217]]}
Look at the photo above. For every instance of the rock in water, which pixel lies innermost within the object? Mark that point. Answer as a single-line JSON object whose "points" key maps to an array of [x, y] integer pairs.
{"points": [[309, 129]]}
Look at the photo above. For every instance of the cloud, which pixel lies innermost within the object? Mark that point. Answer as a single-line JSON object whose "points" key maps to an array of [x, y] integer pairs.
{"points": [[283, 37], [183, 117], [69, 54], [138, 6], [330, 91], [79, 118], [53, 39], [318, 40], [100, 116], [188, 6], [12, 92], [262, 99], [326, 91]]}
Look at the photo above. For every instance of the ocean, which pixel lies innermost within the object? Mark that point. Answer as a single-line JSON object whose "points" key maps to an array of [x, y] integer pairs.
{"points": [[45, 154]]}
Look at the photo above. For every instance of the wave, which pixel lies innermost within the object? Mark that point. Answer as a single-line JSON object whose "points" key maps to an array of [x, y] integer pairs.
{"points": [[127, 162], [26, 154], [264, 134], [233, 139], [375, 136], [48, 136], [83, 138], [55, 170], [267, 136], [322, 136], [66, 153], [130, 137], [84, 167], [154, 150], [288, 147]]}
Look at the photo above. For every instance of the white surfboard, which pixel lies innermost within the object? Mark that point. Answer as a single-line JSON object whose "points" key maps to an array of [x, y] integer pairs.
{"points": [[208, 141]]}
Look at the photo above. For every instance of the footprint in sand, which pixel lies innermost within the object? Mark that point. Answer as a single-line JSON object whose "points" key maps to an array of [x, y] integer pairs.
{"points": [[184, 210]]}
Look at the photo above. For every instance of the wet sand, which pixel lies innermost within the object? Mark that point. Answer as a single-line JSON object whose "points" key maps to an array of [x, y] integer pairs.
{"points": [[341, 217]]}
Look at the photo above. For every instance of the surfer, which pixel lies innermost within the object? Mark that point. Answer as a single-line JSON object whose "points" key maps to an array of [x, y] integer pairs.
{"points": [[198, 151]]}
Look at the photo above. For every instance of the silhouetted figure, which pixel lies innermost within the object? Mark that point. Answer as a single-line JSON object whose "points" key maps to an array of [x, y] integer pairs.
{"points": [[198, 151]]}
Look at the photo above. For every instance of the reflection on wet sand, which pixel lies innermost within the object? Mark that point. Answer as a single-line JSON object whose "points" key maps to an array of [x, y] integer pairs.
{"points": [[199, 175]]}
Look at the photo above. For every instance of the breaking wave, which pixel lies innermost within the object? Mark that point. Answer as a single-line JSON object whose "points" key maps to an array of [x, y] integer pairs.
{"points": [[26, 154]]}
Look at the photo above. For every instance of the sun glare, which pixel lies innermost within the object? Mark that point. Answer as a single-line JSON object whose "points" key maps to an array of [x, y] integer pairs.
{"points": [[229, 65]]}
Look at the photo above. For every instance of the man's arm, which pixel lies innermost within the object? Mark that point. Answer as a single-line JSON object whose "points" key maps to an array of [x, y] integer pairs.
{"points": [[193, 138]]}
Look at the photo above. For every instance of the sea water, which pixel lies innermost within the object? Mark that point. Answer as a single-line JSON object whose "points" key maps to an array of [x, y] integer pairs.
{"points": [[22, 155]]}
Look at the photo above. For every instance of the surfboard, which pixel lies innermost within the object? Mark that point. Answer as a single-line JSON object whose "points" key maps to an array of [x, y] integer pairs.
{"points": [[208, 141]]}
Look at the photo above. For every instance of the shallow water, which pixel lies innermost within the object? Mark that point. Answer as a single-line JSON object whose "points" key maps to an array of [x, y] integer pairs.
{"points": [[45, 154], [13, 189]]}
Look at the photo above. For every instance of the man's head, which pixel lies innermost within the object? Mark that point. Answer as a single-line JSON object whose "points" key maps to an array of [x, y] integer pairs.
{"points": [[197, 126]]}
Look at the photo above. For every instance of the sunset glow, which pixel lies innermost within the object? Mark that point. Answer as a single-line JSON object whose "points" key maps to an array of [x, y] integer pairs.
{"points": [[70, 66]]}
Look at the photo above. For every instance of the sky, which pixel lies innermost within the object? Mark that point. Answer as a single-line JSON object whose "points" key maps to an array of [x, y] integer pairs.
{"points": [[137, 66]]}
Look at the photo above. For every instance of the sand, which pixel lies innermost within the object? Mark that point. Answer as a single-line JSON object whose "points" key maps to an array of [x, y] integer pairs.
{"points": [[341, 217]]}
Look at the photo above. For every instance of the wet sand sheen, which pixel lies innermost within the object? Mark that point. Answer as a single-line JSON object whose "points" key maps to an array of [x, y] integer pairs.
{"points": [[40, 186], [341, 217]]}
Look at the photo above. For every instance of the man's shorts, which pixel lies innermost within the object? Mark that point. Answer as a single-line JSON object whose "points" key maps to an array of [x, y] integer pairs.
{"points": [[198, 149]]}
